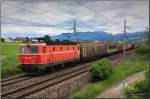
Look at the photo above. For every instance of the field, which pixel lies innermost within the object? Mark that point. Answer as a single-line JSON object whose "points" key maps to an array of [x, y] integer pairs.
{"points": [[133, 64], [9, 65]]}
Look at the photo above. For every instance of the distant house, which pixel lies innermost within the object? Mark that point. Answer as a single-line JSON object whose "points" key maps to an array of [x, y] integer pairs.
{"points": [[96, 41], [38, 39], [21, 39]]}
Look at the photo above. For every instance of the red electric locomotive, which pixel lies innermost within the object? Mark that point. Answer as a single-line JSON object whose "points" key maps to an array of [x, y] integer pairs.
{"points": [[39, 57]]}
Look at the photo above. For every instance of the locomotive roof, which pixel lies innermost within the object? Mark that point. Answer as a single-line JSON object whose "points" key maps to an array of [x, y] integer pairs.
{"points": [[62, 43], [49, 44], [34, 44]]}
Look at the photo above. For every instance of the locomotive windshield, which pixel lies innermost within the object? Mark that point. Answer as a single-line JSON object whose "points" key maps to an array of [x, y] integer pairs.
{"points": [[23, 49], [33, 50]]}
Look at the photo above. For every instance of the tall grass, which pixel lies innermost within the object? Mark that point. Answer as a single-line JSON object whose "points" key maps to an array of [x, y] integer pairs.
{"points": [[9, 59], [128, 67]]}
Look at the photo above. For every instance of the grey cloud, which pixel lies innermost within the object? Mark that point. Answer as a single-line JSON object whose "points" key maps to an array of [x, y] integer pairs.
{"points": [[91, 15]]}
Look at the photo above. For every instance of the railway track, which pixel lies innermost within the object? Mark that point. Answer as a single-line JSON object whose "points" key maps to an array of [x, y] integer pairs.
{"points": [[10, 90], [114, 58], [15, 80], [12, 78], [29, 86]]}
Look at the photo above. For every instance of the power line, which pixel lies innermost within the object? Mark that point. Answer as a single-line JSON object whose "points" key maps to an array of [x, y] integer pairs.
{"points": [[97, 13], [125, 22], [111, 8], [104, 20], [89, 8], [37, 11]]}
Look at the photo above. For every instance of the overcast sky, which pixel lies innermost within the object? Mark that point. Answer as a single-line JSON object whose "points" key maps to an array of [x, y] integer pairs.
{"points": [[55, 17]]}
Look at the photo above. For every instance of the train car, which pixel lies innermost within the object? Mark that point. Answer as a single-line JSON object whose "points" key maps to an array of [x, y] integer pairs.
{"points": [[39, 57], [93, 50], [133, 46], [128, 46], [119, 47], [111, 48]]}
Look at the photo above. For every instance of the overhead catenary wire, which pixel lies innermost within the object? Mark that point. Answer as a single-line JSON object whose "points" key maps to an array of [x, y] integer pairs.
{"points": [[126, 36], [128, 27], [39, 11], [97, 13]]}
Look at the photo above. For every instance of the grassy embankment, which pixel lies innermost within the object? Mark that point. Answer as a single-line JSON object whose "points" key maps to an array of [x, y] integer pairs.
{"points": [[9, 58], [133, 64], [139, 89]]}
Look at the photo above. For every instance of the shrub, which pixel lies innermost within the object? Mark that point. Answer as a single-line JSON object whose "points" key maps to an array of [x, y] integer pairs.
{"points": [[143, 49], [138, 90], [101, 69]]}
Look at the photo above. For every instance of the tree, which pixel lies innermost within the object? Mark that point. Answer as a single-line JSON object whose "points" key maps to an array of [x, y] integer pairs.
{"points": [[47, 39], [2, 39]]}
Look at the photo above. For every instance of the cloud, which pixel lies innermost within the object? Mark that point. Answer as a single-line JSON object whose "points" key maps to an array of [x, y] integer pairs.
{"points": [[55, 17]]}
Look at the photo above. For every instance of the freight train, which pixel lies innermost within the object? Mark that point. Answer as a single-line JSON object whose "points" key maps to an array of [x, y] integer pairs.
{"points": [[40, 57]]}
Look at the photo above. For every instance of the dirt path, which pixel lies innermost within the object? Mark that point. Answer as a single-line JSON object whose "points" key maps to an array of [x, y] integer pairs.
{"points": [[116, 91]]}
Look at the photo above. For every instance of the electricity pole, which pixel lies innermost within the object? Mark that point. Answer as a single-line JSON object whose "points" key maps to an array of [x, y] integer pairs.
{"points": [[74, 29], [124, 39], [149, 53]]}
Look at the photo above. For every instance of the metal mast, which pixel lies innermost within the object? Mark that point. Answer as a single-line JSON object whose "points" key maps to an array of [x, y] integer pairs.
{"points": [[74, 29], [124, 40]]}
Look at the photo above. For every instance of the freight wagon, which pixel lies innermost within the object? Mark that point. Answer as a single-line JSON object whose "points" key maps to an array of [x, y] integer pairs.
{"points": [[91, 51], [111, 48]]}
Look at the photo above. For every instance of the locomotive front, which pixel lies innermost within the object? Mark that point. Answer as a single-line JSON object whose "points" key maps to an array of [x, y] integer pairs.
{"points": [[30, 57], [35, 58]]}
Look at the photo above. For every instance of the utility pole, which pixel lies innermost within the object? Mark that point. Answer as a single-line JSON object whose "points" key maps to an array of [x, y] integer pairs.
{"points": [[124, 39], [149, 54], [74, 29]]}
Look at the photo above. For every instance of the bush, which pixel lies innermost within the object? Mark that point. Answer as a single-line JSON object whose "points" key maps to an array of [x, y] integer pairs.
{"points": [[101, 69], [143, 49]]}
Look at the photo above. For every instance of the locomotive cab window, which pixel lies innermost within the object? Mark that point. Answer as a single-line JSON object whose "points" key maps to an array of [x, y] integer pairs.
{"points": [[33, 50], [23, 50]]}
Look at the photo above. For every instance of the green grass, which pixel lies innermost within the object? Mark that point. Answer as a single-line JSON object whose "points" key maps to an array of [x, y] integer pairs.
{"points": [[128, 67], [137, 88], [9, 58]]}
